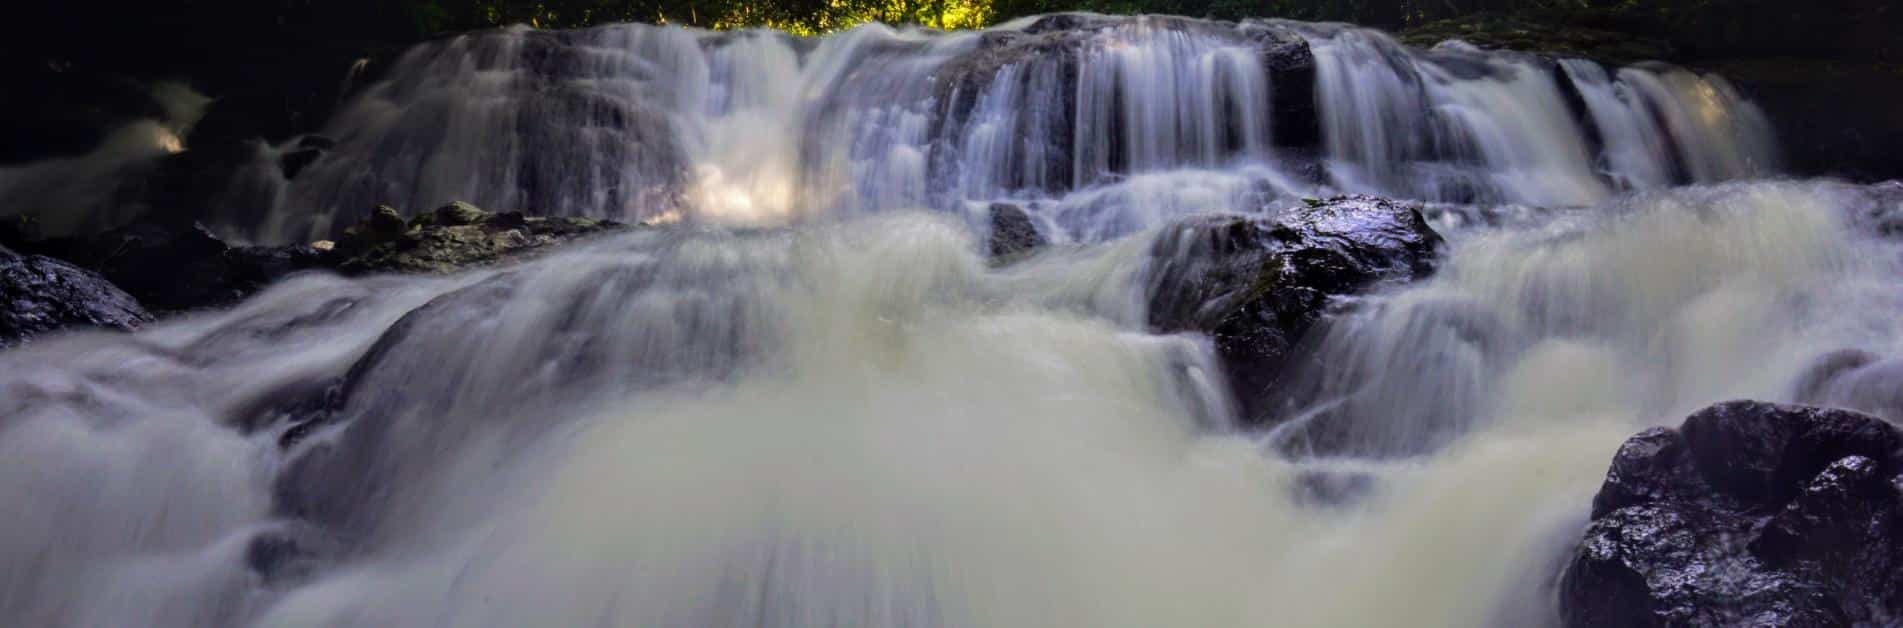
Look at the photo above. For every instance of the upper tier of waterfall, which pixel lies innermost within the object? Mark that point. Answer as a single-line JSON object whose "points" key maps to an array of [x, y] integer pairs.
{"points": [[1078, 116]]}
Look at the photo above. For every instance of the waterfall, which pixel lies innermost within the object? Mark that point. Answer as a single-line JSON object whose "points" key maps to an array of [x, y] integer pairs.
{"points": [[801, 396], [644, 123]]}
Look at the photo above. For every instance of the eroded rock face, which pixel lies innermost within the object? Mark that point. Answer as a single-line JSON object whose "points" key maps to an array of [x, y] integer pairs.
{"points": [[1257, 284], [41, 294], [1748, 513]]}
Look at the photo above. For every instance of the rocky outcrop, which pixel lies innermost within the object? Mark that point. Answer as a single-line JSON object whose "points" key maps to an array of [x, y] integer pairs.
{"points": [[1748, 513], [185, 267], [40, 295], [1545, 36], [1256, 284], [455, 237], [171, 267], [1832, 117]]}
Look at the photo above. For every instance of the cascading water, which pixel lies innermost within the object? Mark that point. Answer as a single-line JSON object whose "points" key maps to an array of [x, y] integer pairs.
{"points": [[838, 413], [642, 123]]}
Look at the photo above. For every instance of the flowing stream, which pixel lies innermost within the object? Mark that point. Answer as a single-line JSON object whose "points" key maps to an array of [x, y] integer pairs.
{"points": [[807, 399]]}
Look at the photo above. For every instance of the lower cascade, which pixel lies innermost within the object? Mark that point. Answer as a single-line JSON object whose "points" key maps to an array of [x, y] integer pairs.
{"points": [[1075, 321]]}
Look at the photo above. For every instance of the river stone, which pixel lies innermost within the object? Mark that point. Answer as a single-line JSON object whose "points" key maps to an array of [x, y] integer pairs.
{"points": [[1012, 232], [1748, 513], [40, 294], [1256, 284]]}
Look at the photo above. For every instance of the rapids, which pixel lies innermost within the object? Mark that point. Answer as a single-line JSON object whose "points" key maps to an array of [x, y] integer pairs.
{"points": [[807, 399]]}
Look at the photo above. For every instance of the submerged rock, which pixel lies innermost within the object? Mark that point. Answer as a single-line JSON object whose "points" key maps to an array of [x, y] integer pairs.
{"points": [[40, 294], [487, 360], [1257, 284], [455, 237], [1748, 513]]}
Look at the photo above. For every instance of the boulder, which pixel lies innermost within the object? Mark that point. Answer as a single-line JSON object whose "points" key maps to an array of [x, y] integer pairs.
{"points": [[1748, 513], [1256, 284], [40, 294], [1821, 130], [1012, 232], [182, 267]]}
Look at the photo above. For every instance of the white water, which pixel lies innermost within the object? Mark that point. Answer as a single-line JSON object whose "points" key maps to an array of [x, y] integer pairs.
{"points": [[857, 421], [789, 429], [640, 123]]}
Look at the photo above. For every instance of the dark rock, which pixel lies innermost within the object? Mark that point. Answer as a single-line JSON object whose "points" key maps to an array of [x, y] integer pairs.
{"points": [[454, 237], [1650, 467], [1012, 232], [293, 162], [1291, 66], [1257, 284], [289, 554], [1666, 565], [1820, 129], [1763, 454], [1749, 513], [186, 267], [40, 294]]}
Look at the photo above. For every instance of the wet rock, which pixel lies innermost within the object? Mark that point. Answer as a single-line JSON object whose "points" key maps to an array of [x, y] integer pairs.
{"points": [[1291, 67], [186, 267], [1748, 513], [289, 554], [455, 237], [40, 294], [1257, 284], [1818, 135], [1012, 232], [1553, 38]]}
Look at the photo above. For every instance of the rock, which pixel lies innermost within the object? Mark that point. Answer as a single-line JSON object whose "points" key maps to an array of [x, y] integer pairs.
{"points": [[1820, 135], [454, 237], [1556, 38], [293, 162], [1012, 232], [1748, 513], [41, 294], [1257, 284], [185, 267]]}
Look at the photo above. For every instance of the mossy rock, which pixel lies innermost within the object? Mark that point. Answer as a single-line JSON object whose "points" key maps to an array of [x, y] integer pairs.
{"points": [[456, 237]]}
